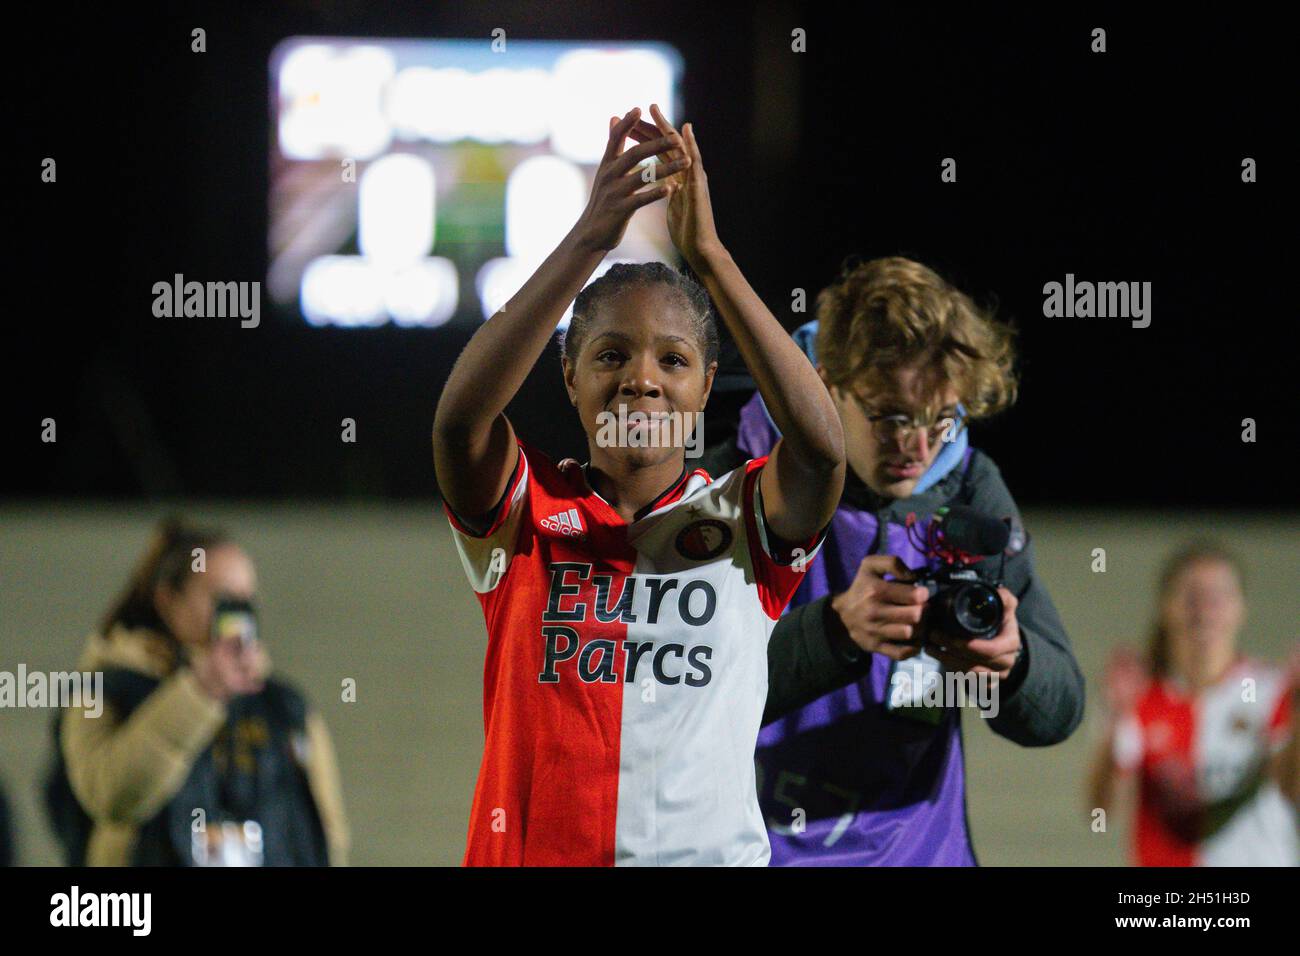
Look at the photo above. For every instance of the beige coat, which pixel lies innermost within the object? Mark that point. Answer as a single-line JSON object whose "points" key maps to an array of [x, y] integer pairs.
{"points": [[124, 772]]}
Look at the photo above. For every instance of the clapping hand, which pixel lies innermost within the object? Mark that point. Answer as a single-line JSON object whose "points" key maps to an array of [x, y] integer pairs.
{"points": [[690, 211]]}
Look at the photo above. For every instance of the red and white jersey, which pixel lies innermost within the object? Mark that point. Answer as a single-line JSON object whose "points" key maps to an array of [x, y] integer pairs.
{"points": [[626, 670], [1205, 797]]}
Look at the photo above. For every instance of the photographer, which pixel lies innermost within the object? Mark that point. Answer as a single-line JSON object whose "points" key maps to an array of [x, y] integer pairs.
{"points": [[199, 757], [848, 778]]}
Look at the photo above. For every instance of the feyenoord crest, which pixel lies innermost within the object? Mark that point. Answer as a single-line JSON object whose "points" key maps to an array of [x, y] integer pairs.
{"points": [[704, 539]]}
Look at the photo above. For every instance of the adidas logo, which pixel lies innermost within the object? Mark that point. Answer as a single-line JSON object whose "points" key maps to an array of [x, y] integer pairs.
{"points": [[565, 523]]}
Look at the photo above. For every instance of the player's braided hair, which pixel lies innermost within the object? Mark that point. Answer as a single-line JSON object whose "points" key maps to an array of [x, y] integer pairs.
{"points": [[628, 275]]}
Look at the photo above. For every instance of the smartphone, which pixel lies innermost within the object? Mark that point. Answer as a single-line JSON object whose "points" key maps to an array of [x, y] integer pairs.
{"points": [[234, 617]]}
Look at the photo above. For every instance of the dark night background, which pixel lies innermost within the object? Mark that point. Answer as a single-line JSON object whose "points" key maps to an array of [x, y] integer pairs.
{"points": [[1123, 166]]}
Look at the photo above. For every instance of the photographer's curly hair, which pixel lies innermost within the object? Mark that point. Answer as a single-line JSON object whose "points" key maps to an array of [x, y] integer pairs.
{"points": [[1194, 552], [890, 313], [166, 561], [627, 275]]}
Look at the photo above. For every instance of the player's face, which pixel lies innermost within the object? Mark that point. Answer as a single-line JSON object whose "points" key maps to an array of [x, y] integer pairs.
{"points": [[641, 354], [187, 611], [893, 466], [1204, 609]]}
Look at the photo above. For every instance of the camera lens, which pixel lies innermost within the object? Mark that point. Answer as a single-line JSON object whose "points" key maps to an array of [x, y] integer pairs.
{"points": [[978, 609]]}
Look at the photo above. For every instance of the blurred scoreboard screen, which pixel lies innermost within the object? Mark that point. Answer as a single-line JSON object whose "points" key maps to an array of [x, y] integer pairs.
{"points": [[421, 182]]}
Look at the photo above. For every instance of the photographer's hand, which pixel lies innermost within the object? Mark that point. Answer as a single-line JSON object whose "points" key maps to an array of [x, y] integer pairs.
{"points": [[990, 655], [881, 616], [229, 668]]}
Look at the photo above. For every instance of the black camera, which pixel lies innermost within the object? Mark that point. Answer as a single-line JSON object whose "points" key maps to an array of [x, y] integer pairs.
{"points": [[963, 603]]}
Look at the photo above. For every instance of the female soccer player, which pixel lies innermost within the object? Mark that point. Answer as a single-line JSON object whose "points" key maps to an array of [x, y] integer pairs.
{"points": [[629, 600], [1209, 732]]}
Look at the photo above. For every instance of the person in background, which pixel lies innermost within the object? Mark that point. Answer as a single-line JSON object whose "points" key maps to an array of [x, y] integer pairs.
{"points": [[1208, 732], [846, 780], [199, 757]]}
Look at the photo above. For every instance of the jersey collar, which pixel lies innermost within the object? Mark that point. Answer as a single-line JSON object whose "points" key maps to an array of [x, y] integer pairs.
{"points": [[672, 493]]}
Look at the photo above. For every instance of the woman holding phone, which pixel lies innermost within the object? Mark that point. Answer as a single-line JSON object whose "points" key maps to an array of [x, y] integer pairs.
{"points": [[199, 756]]}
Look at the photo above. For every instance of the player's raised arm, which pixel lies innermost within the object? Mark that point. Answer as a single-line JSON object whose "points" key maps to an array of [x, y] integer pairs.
{"points": [[474, 447], [804, 476]]}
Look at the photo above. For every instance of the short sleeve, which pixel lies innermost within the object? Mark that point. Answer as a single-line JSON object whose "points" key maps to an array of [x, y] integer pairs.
{"points": [[486, 554], [778, 568], [1280, 721]]}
